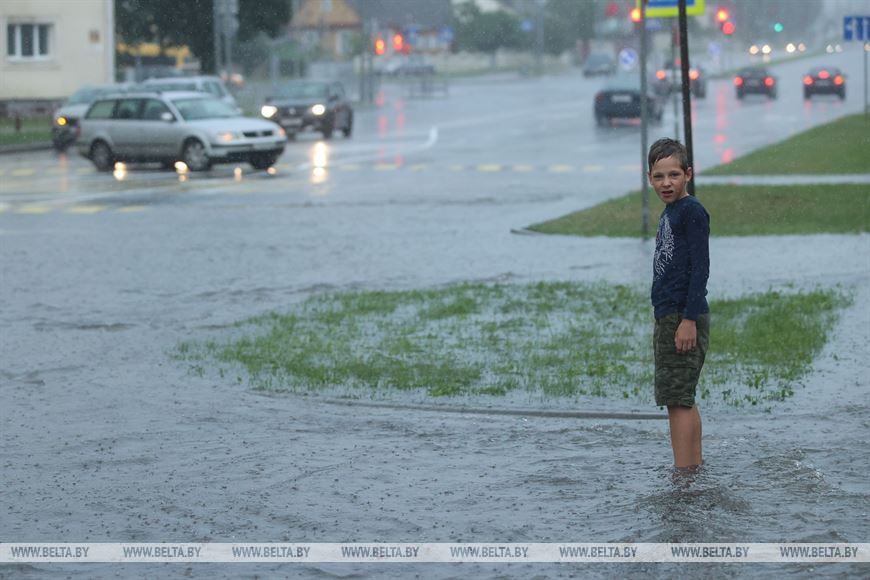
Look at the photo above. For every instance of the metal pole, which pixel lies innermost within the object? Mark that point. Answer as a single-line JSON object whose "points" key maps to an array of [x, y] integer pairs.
{"points": [[866, 109], [216, 16], [644, 191], [539, 45], [675, 35], [687, 103]]}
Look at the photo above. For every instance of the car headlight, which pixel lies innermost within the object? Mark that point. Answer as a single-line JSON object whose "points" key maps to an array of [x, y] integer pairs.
{"points": [[227, 136], [318, 109], [268, 110], [60, 121]]}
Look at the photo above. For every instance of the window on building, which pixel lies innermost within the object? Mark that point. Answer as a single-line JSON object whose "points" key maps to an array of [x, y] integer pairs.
{"points": [[28, 41]]}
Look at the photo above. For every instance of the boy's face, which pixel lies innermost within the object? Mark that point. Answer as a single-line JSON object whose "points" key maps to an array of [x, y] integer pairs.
{"points": [[669, 180]]}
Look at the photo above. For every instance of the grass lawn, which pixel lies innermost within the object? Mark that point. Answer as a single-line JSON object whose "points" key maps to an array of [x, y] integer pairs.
{"points": [[556, 339], [842, 146], [35, 130], [734, 211]]}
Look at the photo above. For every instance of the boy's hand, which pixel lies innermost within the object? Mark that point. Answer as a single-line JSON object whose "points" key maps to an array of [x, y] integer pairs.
{"points": [[686, 337]]}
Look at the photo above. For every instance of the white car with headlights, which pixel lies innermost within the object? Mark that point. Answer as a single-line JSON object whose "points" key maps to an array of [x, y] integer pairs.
{"points": [[195, 128], [320, 106]]}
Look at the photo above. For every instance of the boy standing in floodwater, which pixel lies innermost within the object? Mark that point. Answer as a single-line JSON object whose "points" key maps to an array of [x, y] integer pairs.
{"points": [[680, 270]]}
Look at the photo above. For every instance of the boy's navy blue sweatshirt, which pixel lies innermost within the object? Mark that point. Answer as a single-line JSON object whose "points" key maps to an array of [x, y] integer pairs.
{"points": [[682, 260]]}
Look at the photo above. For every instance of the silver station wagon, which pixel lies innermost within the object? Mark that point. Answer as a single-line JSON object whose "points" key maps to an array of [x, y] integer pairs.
{"points": [[195, 128]]}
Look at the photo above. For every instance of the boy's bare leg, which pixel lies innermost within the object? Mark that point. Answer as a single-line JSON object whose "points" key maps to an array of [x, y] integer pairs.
{"points": [[685, 423]]}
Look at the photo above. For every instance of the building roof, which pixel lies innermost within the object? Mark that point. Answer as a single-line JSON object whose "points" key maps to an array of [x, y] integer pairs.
{"points": [[427, 14]]}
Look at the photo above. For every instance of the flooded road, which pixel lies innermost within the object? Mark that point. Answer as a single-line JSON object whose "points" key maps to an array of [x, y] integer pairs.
{"points": [[106, 439]]}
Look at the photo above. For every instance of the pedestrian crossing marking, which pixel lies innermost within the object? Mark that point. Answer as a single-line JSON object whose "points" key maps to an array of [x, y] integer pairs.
{"points": [[385, 167], [455, 167], [86, 209], [491, 168], [4, 207], [131, 208], [523, 168], [418, 167], [23, 172], [561, 168], [593, 168], [33, 209]]}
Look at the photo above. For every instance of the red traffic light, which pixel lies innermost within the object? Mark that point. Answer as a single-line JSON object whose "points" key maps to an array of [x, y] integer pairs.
{"points": [[728, 28], [722, 15]]}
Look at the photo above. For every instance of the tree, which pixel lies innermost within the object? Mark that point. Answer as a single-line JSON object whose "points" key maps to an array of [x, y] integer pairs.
{"points": [[192, 23], [568, 21], [486, 31]]}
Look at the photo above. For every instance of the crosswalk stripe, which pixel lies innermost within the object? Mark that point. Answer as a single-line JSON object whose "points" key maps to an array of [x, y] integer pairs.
{"points": [[523, 168], [33, 209], [386, 167], [490, 168], [4, 207], [456, 167], [418, 167], [85, 209], [23, 171], [593, 168], [561, 168], [131, 208]]}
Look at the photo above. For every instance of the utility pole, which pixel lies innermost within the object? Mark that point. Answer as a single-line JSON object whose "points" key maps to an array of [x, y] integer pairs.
{"points": [[539, 44], [687, 103], [643, 117], [217, 27]]}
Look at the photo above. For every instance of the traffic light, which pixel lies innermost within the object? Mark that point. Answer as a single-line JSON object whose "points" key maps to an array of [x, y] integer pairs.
{"points": [[777, 27], [728, 28], [635, 14], [722, 15], [398, 42], [380, 46]]}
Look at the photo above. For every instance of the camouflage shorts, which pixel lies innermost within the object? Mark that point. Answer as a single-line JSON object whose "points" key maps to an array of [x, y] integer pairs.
{"points": [[677, 374]]}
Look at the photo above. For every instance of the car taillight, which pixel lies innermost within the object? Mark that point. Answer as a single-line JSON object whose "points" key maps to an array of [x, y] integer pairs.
{"points": [[768, 82], [808, 80], [838, 80], [660, 74], [693, 74], [824, 74], [738, 81]]}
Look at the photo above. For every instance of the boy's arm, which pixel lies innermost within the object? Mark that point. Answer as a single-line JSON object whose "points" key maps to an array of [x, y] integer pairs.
{"points": [[698, 244]]}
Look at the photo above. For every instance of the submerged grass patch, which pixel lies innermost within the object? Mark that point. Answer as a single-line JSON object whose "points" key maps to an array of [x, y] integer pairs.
{"points": [[558, 338], [734, 211]]}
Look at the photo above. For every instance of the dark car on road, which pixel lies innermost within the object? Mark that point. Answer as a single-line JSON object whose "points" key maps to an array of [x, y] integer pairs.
{"points": [[669, 79], [310, 105], [599, 63], [758, 81], [620, 99], [825, 80]]}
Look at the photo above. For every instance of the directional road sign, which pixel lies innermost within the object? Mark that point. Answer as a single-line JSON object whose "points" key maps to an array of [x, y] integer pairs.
{"points": [[856, 28], [665, 8], [627, 58]]}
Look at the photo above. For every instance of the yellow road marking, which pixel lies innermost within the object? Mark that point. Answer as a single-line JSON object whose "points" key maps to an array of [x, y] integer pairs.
{"points": [[456, 167], [86, 209], [489, 168], [24, 171], [523, 168], [561, 168], [386, 167], [593, 168], [131, 208], [4, 207], [418, 167], [33, 209]]}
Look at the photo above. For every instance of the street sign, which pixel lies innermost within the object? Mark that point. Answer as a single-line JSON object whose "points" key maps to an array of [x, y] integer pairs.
{"points": [[856, 28], [666, 8], [627, 58], [446, 35]]}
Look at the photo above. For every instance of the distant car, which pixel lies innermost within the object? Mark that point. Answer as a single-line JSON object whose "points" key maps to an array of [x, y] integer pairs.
{"points": [[205, 84], [320, 106], [599, 63], [620, 99], [669, 79], [65, 120], [761, 47], [757, 81], [411, 65], [827, 80], [167, 127]]}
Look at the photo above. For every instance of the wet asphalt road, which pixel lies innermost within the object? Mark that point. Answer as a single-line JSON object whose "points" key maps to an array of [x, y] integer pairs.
{"points": [[106, 439]]}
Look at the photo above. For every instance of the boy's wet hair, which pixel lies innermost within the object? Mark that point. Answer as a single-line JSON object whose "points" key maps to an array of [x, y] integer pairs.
{"points": [[665, 148]]}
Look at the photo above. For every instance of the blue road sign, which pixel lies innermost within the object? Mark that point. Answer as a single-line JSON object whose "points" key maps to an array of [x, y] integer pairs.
{"points": [[446, 34], [666, 8], [856, 28], [627, 58]]}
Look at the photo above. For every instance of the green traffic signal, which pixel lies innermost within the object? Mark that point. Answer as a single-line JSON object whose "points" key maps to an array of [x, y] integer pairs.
{"points": [[777, 27]]}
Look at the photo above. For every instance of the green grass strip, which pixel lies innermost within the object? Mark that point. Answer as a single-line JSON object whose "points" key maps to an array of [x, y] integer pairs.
{"points": [[734, 211], [553, 339], [839, 147], [35, 130]]}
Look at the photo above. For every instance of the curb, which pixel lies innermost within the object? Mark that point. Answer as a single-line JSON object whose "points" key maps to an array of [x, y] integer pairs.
{"points": [[41, 146]]}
